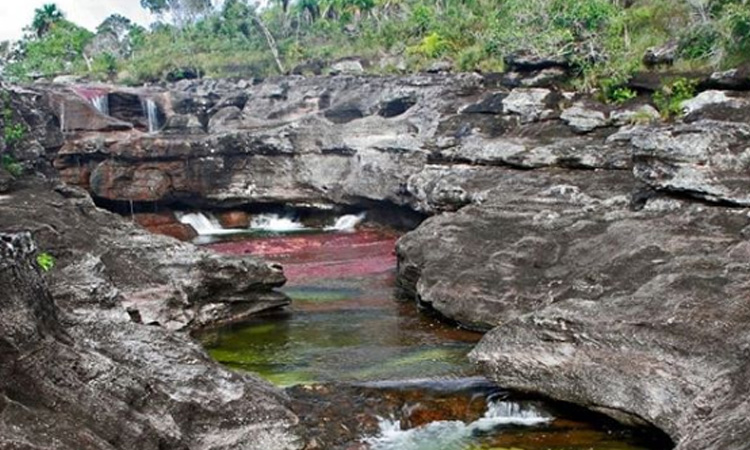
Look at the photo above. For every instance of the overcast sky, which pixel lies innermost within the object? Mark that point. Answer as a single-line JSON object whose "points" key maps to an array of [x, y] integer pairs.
{"points": [[17, 14]]}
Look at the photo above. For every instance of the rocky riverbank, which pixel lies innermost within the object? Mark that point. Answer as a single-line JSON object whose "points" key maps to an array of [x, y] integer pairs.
{"points": [[84, 364], [603, 247]]}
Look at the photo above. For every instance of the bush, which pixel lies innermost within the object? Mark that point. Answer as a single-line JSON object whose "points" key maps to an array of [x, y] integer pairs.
{"points": [[670, 97], [11, 166], [614, 92]]}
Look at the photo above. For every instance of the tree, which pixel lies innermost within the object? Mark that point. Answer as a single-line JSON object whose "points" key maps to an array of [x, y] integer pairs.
{"points": [[45, 18], [182, 11]]}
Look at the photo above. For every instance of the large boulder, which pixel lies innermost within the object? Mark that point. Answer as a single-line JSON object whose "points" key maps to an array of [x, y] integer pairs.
{"points": [[161, 280], [705, 159], [92, 379], [631, 305]]}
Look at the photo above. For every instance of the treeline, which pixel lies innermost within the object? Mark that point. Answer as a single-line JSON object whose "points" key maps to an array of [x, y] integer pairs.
{"points": [[605, 39]]}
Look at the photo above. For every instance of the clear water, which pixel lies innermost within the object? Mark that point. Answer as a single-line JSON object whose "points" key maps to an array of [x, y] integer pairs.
{"points": [[345, 326]]}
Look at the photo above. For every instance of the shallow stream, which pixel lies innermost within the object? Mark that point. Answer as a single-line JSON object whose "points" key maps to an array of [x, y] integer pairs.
{"points": [[345, 326]]}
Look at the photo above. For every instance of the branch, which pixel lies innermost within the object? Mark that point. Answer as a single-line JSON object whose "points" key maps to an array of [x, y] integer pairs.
{"points": [[271, 42]]}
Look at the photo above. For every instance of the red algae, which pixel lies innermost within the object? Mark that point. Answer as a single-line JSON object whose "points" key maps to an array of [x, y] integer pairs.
{"points": [[323, 255]]}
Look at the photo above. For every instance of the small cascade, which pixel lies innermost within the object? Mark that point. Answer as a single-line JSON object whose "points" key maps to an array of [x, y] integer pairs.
{"points": [[101, 103], [347, 223], [98, 97], [455, 435], [275, 222], [205, 224], [151, 111]]}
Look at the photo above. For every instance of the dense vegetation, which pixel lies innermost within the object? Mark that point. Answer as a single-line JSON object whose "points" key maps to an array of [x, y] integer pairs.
{"points": [[605, 39]]}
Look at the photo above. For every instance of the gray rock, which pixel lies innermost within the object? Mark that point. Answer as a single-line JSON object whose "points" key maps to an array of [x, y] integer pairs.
{"points": [[531, 104], [583, 119], [440, 67], [91, 380], [661, 56], [347, 67], [643, 114], [705, 159], [183, 124], [662, 350], [708, 98], [6, 181]]}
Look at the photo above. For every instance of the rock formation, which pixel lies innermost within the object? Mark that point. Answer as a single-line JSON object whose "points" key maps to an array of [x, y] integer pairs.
{"points": [[84, 364], [604, 249]]}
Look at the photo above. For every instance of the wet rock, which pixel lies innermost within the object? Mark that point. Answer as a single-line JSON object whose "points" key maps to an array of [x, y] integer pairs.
{"points": [[338, 416], [78, 114], [234, 219], [165, 224]]}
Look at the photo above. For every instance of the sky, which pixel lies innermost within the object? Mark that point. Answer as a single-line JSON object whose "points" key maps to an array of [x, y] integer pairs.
{"points": [[17, 14]]}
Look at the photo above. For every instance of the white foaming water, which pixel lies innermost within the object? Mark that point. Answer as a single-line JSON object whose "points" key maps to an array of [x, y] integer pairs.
{"points": [[152, 113], [101, 103], [348, 222], [205, 224], [275, 222], [454, 435]]}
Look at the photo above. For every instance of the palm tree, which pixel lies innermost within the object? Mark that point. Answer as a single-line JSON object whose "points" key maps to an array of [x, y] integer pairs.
{"points": [[45, 17]]}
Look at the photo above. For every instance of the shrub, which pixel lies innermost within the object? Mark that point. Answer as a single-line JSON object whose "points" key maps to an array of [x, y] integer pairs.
{"points": [[670, 97], [11, 166]]}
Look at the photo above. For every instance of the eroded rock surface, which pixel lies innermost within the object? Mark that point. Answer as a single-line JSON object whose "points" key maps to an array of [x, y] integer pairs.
{"points": [[604, 248], [89, 378]]}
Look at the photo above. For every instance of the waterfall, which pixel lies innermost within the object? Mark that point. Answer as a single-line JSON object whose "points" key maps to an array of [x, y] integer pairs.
{"points": [[152, 113], [275, 222], [203, 223], [101, 103], [348, 222], [454, 435]]}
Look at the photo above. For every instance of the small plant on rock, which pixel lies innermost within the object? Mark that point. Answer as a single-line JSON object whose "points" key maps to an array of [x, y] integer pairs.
{"points": [[45, 261], [11, 165], [670, 97], [13, 132]]}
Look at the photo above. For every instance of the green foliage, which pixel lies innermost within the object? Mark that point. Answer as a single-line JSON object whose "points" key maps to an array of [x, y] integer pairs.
{"points": [[614, 92], [432, 46], [11, 166], [604, 39], [13, 132], [45, 18], [45, 261], [60, 50], [104, 66], [670, 97]]}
